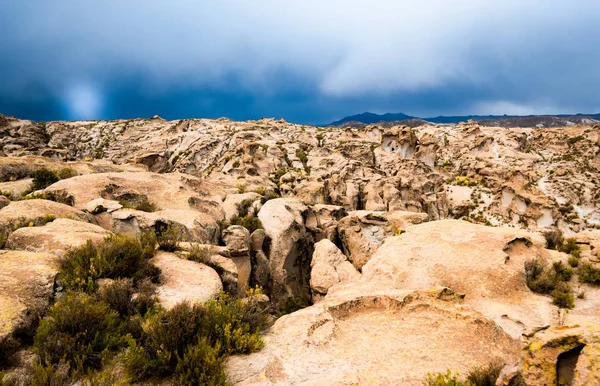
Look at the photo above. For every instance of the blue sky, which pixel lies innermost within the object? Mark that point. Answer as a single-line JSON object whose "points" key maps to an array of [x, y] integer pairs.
{"points": [[307, 61]]}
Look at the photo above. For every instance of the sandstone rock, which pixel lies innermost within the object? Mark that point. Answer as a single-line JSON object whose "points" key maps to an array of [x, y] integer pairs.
{"points": [[362, 232], [567, 355], [351, 336], [55, 237], [311, 193], [322, 220], [401, 219], [26, 286], [257, 238], [485, 263], [329, 267], [237, 240], [289, 254], [100, 205], [32, 211], [184, 280]]}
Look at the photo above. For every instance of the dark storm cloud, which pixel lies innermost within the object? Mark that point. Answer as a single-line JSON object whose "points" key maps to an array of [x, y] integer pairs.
{"points": [[308, 61]]}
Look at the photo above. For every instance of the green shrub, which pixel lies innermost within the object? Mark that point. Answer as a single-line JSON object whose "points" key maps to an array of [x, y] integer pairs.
{"points": [[78, 330], [573, 261], [201, 365], [241, 188], [42, 178], [67, 172], [143, 204], [269, 195], [574, 140], [199, 255], [563, 273], [168, 239], [446, 379], [116, 257], [571, 247], [118, 296], [227, 325], [589, 274], [485, 375], [538, 278], [554, 239], [562, 296], [244, 207], [50, 375], [249, 222]]}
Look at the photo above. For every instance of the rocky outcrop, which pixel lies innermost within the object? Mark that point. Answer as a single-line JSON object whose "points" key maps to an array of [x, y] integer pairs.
{"points": [[26, 288], [351, 336], [184, 280], [361, 233], [56, 237], [329, 266], [290, 251], [23, 213]]}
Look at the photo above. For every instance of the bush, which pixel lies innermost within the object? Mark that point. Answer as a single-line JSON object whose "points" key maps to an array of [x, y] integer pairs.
{"points": [[118, 296], [486, 375], [269, 195], [562, 272], [78, 330], [143, 204], [562, 296], [117, 257], [201, 365], [573, 261], [42, 178], [50, 376], [65, 173], [537, 278], [249, 222], [589, 274], [168, 239], [554, 239], [446, 379], [571, 247], [173, 339]]}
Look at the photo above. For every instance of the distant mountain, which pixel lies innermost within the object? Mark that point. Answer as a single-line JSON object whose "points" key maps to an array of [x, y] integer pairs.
{"points": [[370, 118], [487, 120]]}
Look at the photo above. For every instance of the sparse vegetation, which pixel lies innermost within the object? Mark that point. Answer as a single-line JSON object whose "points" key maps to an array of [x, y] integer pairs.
{"points": [[573, 140], [168, 239], [143, 204], [478, 376], [552, 281], [67, 172], [116, 257], [554, 239], [589, 274], [42, 178]]}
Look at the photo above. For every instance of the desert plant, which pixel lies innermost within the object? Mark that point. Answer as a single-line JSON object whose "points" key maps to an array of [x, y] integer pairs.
{"points": [[143, 204], [562, 272], [554, 239], [42, 178], [571, 247], [573, 261], [249, 222], [201, 365], [168, 239], [589, 274], [118, 296], [446, 379], [269, 195], [67, 172], [78, 330], [241, 188], [562, 296], [485, 375]]}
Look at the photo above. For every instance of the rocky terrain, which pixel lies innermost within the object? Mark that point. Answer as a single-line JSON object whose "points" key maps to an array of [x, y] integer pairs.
{"points": [[375, 255]]}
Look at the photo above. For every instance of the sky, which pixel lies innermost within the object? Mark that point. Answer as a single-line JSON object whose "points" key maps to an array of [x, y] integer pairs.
{"points": [[307, 61]]}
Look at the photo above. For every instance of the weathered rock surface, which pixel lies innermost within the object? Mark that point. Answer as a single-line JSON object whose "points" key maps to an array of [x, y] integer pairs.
{"points": [[353, 335], [329, 267], [567, 355], [289, 253], [32, 211], [484, 263], [362, 232], [26, 286], [184, 280], [233, 201], [56, 237]]}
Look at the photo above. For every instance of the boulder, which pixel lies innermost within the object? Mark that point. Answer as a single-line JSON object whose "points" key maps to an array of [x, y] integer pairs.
{"points": [[4, 201], [329, 267], [237, 240], [484, 263], [257, 238], [322, 220], [290, 250], [100, 205], [400, 220], [361, 233], [311, 193], [33, 211], [55, 237], [353, 335], [26, 287], [568, 355], [184, 280]]}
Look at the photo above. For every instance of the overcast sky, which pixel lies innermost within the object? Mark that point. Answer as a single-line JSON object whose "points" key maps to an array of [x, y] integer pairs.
{"points": [[308, 61]]}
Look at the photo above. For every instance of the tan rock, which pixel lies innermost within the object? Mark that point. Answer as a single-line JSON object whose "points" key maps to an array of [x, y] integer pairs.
{"points": [[184, 280], [55, 237], [401, 219], [362, 232], [32, 211], [4, 201], [352, 335], [329, 267], [26, 285]]}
